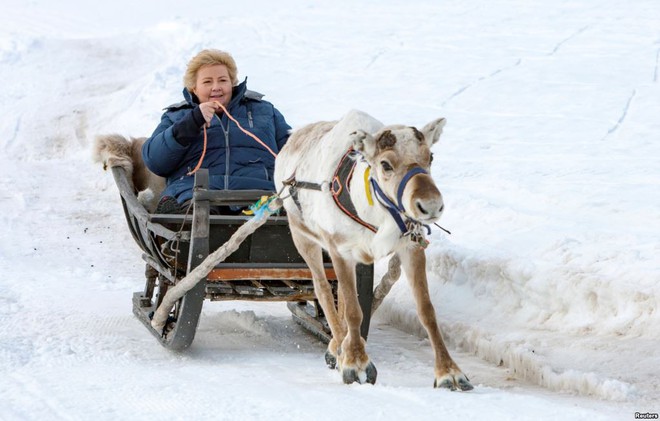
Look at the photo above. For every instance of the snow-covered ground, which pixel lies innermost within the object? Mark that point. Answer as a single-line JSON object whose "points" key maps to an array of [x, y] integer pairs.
{"points": [[548, 288]]}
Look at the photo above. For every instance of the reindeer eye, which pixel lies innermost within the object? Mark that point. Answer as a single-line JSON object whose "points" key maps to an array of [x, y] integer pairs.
{"points": [[386, 166], [431, 158]]}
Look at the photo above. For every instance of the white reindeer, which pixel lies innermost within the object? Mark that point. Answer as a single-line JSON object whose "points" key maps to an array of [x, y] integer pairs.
{"points": [[393, 198]]}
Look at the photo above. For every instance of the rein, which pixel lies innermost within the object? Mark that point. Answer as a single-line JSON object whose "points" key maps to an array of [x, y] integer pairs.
{"points": [[253, 136]]}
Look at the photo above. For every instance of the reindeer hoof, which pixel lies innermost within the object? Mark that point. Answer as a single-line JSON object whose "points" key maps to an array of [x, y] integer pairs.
{"points": [[445, 384], [371, 373], [464, 383], [351, 375], [453, 382], [330, 360]]}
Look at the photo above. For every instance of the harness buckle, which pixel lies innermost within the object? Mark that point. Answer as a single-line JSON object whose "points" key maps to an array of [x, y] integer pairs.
{"points": [[291, 181], [416, 233]]}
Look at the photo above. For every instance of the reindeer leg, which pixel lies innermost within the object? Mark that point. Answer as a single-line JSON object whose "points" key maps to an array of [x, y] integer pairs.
{"points": [[447, 373], [311, 252], [354, 363]]}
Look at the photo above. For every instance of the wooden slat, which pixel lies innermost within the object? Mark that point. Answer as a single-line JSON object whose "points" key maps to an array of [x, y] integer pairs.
{"points": [[240, 274], [249, 290], [297, 297]]}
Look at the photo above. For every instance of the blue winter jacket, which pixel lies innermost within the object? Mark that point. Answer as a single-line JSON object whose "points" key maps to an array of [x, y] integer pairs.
{"points": [[235, 160]]}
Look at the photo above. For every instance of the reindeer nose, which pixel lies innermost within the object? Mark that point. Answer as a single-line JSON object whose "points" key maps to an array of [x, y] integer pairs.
{"points": [[431, 209]]}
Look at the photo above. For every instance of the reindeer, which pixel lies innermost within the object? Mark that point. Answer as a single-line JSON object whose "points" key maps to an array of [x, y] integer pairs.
{"points": [[361, 191]]}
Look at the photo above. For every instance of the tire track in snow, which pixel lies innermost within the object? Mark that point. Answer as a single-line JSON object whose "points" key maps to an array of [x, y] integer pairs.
{"points": [[655, 72], [68, 340], [561, 43], [374, 58], [624, 113], [11, 140], [41, 401], [498, 71], [479, 80]]}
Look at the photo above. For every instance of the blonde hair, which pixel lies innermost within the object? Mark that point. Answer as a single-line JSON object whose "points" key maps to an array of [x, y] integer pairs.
{"points": [[209, 58]]}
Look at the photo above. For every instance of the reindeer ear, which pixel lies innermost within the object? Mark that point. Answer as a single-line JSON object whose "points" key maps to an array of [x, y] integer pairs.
{"points": [[364, 143], [418, 135], [433, 130]]}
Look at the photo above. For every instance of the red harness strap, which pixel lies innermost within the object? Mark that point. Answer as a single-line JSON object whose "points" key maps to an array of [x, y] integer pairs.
{"points": [[341, 193]]}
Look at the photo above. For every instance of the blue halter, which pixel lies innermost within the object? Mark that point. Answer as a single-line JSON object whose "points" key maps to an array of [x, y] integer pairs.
{"points": [[402, 185], [396, 210]]}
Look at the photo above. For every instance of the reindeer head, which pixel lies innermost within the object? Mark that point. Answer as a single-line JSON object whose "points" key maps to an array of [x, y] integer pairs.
{"points": [[400, 160]]}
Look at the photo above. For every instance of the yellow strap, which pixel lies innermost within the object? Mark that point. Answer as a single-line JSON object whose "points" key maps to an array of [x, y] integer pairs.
{"points": [[367, 186]]}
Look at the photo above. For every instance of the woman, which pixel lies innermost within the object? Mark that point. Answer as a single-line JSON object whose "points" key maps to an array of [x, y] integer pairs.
{"points": [[235, 161]]}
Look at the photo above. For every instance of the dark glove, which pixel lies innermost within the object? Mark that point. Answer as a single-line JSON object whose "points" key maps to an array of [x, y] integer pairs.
{"points": [[187, 130]]}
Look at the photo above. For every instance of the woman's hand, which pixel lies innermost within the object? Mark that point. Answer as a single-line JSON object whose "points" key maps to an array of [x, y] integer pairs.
{"points": [[208, 109]]}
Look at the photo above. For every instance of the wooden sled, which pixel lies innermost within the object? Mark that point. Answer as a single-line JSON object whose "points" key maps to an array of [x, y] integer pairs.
{"points": [[266, 266]]}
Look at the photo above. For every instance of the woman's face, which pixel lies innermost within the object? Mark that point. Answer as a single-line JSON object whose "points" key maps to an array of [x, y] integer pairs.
{"points": [[213, 84]]}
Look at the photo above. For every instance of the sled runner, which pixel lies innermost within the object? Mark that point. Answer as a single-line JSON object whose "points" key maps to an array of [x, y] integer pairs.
{"points": [[265, 267]]}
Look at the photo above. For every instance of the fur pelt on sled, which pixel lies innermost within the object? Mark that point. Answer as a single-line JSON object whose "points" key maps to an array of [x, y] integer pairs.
{"points": [[114, 150]]}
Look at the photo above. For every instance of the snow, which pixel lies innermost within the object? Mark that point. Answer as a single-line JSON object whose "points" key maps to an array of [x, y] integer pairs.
{"points": [[547, 289]]}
